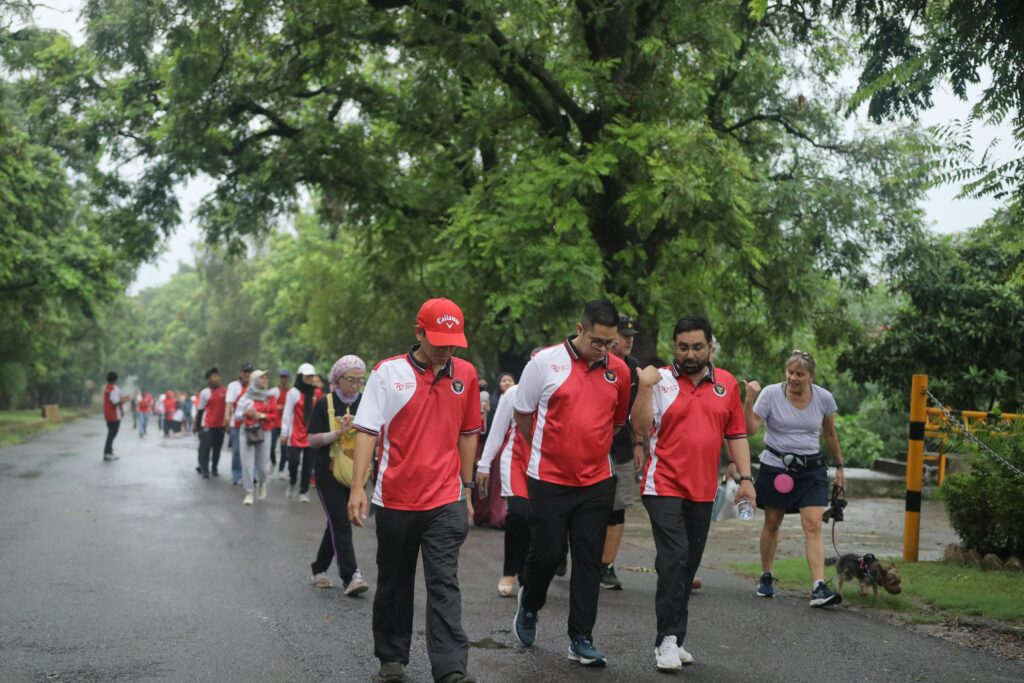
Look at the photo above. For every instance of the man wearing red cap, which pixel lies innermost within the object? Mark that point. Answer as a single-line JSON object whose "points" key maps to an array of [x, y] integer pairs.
{"points": [[423, 409]]}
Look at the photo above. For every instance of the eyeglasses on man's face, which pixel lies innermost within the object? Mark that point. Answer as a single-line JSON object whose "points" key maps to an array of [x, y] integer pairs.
{"points": [[699, 347], [599, 344]]}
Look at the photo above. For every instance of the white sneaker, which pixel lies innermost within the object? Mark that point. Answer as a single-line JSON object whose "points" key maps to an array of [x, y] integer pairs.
{"points": [[321, 580], [303, 497], [357, 585], [666, 655], [261, 490], [290, 492], [684, 656], [247, 500]]}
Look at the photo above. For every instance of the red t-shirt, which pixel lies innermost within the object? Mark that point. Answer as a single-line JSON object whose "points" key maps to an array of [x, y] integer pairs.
{"points": [[578, 406], [111, 406], [686, 439], [299, 434], [506, 444], [170, 405], [268, 408], [145, 403], [419, 418], [212, 402]]}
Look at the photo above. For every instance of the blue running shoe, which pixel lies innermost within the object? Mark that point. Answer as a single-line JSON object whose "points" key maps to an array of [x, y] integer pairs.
{"points": [[525, 623], [822, 596], [766, 587], [582, 650]]}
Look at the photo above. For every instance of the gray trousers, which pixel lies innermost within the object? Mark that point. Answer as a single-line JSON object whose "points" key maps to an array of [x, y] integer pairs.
{"points": [[680, 529], [402, 536], [258, 455]]}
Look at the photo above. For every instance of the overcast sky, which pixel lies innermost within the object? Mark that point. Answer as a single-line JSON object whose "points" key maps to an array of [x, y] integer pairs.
{"points": [[944, 212]]}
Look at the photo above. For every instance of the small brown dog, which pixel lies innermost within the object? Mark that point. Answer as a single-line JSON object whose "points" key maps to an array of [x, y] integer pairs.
{"points": [[869, 572]]}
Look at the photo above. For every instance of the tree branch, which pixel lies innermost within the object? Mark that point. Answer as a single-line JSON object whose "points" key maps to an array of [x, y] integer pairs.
{"points": [[788, 125]]}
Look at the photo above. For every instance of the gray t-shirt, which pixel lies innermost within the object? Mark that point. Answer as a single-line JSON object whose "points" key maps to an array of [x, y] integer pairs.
{"points": [[789, 429]]}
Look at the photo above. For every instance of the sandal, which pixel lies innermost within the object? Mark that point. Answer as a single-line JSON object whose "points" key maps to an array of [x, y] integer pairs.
{"points": [[505, 589]]}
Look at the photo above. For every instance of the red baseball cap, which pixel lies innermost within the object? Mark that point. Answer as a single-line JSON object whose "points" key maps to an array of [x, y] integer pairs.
{"points": [[443, 323]]}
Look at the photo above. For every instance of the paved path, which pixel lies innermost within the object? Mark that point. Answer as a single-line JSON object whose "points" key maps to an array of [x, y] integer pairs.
{"points": [[138, 570]]}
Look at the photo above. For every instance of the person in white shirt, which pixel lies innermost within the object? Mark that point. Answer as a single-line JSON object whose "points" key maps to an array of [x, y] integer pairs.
{"points": [[235, 391]]}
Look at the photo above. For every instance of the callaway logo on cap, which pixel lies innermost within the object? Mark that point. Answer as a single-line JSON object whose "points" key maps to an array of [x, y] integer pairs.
{"points": [[443, 323]]}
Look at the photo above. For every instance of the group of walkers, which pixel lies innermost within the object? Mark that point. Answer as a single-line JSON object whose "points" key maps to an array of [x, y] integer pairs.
{"points": [[174, 411], [570, 443]]}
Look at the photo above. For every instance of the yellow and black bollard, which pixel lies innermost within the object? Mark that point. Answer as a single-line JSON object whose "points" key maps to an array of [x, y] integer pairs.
{"points": [[915, 468]]}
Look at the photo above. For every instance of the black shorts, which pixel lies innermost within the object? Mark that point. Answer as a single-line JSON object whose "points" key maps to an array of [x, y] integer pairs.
{"points": [[810, 489]]}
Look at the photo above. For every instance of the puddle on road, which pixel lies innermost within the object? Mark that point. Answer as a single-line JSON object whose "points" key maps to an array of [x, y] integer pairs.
{"points": [[488, 644]]}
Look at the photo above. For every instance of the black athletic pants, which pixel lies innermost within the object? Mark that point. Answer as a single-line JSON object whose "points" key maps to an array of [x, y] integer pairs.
{"points": [[337, 539], [402, 536], [583, 512], [517, 535], [295, 457], [112, 427], [211, 440], [680, 530], [275, 434]]}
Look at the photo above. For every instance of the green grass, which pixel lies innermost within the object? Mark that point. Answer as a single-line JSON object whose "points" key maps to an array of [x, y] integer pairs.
{"points": [[17, 426], [952, 589], [20, 416]]}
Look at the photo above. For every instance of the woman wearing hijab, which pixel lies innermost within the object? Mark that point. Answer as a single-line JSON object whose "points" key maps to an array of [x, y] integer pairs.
{"points": [[298, 409], [346, 378], [255, 408]]}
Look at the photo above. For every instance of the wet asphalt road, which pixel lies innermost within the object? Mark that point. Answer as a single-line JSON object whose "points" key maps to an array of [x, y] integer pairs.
{"points": [[138, 570]]}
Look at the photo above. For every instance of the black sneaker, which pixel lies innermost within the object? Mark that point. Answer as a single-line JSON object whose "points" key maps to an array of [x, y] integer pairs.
{"points": [[391, 672], [213, 472], [608, 578], [766, 586], [823, 596], [524, 625]]}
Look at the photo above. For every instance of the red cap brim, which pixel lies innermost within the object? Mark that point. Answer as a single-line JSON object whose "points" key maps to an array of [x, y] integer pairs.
{"points": [[447, 339]]}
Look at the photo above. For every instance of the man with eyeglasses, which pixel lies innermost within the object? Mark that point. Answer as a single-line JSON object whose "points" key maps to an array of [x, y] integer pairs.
{"points": [[572, 397], [687, 408]]}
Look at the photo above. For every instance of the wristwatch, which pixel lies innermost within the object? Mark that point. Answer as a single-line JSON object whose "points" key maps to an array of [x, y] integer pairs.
{"points": [[747, 477], [469, 485]]}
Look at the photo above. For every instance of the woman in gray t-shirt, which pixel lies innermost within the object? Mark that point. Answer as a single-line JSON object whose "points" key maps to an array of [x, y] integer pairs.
{"points": [[793, 476]]}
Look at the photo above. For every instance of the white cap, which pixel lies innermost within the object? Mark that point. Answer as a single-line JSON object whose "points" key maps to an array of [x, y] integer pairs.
{"points": [[306, 369]]}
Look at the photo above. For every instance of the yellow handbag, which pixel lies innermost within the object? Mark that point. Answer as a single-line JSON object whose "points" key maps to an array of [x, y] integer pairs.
{"points": [[342, 450]]}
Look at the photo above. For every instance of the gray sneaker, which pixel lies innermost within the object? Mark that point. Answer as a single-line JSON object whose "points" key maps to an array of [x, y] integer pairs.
{"points": [[356, 586]]}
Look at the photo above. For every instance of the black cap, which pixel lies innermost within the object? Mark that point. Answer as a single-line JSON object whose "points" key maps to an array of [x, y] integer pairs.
{"points": [[627, 326], [247, 367], [211, 372]]}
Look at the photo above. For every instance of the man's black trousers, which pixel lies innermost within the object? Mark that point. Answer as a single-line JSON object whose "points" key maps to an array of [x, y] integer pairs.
{"points": [[680, 530], [112, 427], [402, 536], [583, 512], [517, 535], [211, 440]]}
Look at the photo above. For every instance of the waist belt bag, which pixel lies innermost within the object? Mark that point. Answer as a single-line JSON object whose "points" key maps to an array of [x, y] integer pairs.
{"points": [[796, 462], [254, 434]]}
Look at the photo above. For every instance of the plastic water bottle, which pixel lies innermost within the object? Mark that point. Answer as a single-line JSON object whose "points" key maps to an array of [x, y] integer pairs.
{"points": [[745, 509]]}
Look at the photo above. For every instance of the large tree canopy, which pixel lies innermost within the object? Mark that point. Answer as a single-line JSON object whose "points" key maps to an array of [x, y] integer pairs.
{"points": [[522, 156]]}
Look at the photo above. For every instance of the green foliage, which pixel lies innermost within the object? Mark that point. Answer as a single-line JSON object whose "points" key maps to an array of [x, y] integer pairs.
{"points": [[517, 156], [961, 321], [911, 46], [985, 505], [860, 445]]}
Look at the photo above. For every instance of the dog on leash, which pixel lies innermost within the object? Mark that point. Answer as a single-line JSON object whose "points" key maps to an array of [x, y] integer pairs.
{"points": [[868, 571]]}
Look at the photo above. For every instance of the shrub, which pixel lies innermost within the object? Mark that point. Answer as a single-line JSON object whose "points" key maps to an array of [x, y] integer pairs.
{"points": [[860, 445], [986, 506]]}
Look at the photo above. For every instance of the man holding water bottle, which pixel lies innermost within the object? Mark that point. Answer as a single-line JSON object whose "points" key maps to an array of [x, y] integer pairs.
{"points": [[688, 408]]}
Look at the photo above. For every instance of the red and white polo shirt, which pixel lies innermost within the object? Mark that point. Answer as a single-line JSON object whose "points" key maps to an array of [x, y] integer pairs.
{"points": [[686, 438], [212, 402], [418, 418], [578, 405], [510, 447]]}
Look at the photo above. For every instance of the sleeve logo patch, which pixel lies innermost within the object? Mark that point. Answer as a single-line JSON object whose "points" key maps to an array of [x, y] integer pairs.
{"points": [[610, 376], [457, 386], [719, 389]]}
